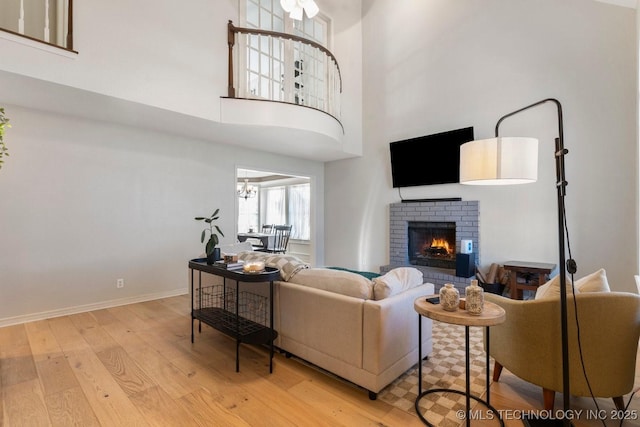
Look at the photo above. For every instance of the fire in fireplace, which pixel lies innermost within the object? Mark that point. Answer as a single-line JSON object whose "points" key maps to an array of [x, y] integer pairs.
{"points": [[432, 244]]}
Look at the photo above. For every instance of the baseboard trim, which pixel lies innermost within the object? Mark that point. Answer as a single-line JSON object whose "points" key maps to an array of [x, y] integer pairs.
{"points": [[8, 321]]}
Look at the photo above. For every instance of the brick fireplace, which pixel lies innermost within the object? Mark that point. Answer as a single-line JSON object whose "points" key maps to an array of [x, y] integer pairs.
{"points": [[421, 234]]}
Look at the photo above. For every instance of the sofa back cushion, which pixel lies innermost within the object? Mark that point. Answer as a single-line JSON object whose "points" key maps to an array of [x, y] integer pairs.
{"points": [[337, 281], [396, 281]]}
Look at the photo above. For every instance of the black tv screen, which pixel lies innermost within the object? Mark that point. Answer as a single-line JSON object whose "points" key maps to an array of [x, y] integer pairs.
{"points": [[428, 160]]}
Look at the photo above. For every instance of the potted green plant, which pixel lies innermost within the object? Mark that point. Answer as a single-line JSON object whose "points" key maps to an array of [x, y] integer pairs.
{"points": [[4, 123], [213, 252]]}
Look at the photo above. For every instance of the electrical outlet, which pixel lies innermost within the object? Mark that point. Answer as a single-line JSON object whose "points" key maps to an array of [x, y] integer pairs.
{"points": [[120, 283]]}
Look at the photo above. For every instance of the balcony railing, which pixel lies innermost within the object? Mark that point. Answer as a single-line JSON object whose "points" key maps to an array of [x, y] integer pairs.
{"points": [[46, 21], [281, 67]]}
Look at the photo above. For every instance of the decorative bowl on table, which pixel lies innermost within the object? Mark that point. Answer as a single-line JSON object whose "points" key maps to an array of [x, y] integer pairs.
{"points": [[253, 267]]}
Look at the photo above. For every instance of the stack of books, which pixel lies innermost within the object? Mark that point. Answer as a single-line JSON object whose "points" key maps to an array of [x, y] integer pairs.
{"points": [[230, 265]]}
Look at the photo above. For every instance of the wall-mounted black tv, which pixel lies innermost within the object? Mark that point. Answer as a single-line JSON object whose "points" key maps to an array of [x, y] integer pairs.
{"points": [[428, 160]]}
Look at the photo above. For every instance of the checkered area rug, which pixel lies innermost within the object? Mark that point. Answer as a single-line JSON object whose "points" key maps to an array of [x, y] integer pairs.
{"points": [[443, 369]]}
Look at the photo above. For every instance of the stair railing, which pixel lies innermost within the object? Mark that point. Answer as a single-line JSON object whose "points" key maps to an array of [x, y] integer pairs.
{"points": [[26, 22], [283, 67]]}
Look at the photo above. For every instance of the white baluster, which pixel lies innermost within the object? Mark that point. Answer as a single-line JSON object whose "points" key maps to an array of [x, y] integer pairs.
{"points": [[21, 18], [46, 21], [60, 25]]}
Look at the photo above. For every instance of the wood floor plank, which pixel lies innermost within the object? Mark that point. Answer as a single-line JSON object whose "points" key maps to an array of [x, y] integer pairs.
{"points": [[103, 317], [60, 372], [125, 370], [16, 359], [294, 410], [180, 304], [334, 409], [15, 339], [42, 341], [172, 380], [209, 412], [70, 408], [92, 332], [129, 318], [68, 337], [125, 336], [2, 412], [24, 405], [108, 401], [56, 375], [159, 409]]}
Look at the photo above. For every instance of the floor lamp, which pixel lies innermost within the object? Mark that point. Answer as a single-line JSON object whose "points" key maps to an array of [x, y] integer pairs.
{"points": [[509, 160]]}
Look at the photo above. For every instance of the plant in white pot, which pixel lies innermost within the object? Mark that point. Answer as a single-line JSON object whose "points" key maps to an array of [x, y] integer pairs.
{"points": [[4, 123], [213, 252]]}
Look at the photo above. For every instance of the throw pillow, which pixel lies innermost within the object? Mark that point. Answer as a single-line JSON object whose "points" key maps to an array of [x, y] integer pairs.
{"points": [[594, 282], [551, 289], [396, 281]]}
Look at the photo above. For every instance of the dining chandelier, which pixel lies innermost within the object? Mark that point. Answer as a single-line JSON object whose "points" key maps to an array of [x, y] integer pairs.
{"points": [[295, 8], [246, 191]]}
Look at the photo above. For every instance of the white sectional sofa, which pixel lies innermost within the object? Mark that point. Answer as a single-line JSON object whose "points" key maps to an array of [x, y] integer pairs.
{"points": [[361, 330]]}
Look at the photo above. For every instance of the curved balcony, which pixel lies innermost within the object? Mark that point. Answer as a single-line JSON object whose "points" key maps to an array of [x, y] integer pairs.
{"points": [[284, 68]]}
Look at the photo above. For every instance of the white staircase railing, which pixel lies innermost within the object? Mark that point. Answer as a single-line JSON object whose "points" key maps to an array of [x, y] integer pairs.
{"points": [[283, 67], [48, 21]]}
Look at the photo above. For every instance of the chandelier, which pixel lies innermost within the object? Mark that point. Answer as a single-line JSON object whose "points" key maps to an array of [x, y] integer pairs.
{"points": [[295, 8], [246, 191]]}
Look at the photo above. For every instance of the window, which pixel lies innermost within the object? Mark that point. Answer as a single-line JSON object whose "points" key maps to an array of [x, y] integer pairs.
{"points": [[299, 211], [282, 70], [288, 204], [248, 214]]}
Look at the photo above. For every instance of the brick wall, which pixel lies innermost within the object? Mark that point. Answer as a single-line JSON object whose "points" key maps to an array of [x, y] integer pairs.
{"points": [[464, 213]]}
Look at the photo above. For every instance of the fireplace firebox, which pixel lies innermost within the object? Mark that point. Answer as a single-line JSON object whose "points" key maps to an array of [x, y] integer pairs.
{"points": [[432, 244]]}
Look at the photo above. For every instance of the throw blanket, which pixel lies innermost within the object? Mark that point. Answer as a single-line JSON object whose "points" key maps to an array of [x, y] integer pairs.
{"points": [[366, 274], [287, 264]]}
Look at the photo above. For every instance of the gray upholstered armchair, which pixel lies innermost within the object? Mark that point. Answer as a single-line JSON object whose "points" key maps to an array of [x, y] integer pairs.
{"points": [[528, 343]]}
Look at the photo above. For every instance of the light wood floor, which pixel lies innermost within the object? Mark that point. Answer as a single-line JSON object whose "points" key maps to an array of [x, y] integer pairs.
{"points": [[135, 366]]}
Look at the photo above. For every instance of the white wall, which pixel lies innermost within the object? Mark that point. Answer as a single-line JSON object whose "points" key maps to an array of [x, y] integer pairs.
{"points": [[436, 65], [84, 203], [154, 53], [148, 51]]}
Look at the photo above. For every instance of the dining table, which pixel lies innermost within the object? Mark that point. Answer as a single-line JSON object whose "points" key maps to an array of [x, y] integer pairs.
{"points": [[265, 238]]}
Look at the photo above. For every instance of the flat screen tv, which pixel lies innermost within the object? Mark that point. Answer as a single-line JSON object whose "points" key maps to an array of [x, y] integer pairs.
{"points": [[428, 160]]}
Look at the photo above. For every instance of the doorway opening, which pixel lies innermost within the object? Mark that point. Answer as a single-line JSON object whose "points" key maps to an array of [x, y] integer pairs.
{"points": [[268, 199]]}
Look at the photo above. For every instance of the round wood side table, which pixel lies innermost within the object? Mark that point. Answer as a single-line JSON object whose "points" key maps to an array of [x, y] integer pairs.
{"points": [[491, 315]]}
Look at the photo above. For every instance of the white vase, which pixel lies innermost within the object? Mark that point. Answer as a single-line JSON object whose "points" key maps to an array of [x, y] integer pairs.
{"points": [[449, 297], [474, 298]]}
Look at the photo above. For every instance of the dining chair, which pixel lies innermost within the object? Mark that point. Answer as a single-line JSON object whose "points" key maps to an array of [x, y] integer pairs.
{"points": [[258, 244], [280, 239]]}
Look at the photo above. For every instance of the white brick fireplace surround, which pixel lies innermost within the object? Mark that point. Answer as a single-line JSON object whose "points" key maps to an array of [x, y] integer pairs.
{"points": [[464, 213]]}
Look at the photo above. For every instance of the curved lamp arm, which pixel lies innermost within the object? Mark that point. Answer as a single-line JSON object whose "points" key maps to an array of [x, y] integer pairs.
{"points": [[561, 184]]}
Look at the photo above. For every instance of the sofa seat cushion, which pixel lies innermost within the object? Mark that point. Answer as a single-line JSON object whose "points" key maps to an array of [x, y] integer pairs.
{"points": [[396, 281], [336, 281]]}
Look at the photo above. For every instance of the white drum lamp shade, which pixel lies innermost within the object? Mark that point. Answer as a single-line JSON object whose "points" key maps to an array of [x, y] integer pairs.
{"points": [[499, 161]]}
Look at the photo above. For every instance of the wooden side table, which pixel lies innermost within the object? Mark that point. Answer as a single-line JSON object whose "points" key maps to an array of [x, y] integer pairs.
{"points": [[492, 315], [514, 267]]}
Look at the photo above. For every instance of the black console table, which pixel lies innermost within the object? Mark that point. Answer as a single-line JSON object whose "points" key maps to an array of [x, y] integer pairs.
{"points": [[241, 315]]}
